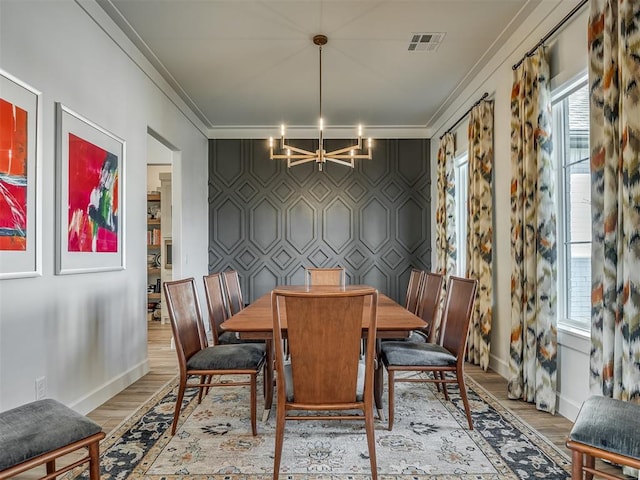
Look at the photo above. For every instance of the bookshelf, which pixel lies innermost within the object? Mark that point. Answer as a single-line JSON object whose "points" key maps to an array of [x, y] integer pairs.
{"points": [[154, 255]]}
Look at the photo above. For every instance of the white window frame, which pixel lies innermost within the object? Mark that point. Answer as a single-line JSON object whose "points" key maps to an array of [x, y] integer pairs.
{"points": [[461, 179], [574, 326]]}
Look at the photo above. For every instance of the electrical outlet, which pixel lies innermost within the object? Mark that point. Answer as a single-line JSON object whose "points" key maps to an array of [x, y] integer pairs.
{"points": [[41, 388]]}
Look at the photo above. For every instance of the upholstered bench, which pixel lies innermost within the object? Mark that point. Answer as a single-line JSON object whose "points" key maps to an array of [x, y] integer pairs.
{"points": [[608, 429], [40, 432]]}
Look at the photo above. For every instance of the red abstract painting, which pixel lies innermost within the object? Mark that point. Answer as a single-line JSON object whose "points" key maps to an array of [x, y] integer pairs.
{"points": [[93, 198], [13, 177]]}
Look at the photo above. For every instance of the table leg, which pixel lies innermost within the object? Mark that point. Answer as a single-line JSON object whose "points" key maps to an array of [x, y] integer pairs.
{"points": [[378, 381], [268, 380]]}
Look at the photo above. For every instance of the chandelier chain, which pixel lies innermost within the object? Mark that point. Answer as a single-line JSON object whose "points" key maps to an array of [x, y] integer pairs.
{"points": [[320, 78]]}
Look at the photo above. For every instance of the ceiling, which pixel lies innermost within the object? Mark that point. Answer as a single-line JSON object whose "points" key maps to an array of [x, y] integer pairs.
{"points": [[252, 64]]}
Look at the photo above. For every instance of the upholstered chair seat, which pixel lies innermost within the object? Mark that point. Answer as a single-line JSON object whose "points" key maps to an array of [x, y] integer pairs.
{"points": [[412, 354], [228, 357]]}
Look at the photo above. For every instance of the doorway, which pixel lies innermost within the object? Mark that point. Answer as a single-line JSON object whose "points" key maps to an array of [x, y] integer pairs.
{"points": [[159, 226]]}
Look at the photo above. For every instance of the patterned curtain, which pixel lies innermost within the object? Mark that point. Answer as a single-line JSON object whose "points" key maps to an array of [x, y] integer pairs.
{"points": [[445, 210], [480, 230], [533, 348], [445, 213], [614, 81]]}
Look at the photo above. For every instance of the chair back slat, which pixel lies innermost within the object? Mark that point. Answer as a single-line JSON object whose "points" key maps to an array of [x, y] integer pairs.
{"points": [[233, 291], [215, 304], [413, 290], [461, 295], [430, 301], [310, 341], [325, 276], [186, 319]]}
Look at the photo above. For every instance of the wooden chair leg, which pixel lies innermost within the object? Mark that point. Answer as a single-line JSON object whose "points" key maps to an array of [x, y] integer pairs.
{"points": [[179, 397], [280, 414], [371, 442], [435, 377], [201, 389], [207, 380], [254, 401], [51, 466], [444, 385], [465, 400], [94, 461], [264, 379], [391, 380]]}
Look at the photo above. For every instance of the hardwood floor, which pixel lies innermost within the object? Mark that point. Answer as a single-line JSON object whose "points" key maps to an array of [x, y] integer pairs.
{"points": [[163, 367]]}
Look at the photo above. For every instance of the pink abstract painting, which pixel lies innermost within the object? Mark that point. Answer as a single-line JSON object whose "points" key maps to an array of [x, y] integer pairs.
{"points": [[13, 177], [93, 198]]}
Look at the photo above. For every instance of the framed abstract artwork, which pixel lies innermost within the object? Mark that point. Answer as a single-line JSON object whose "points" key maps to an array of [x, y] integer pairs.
{"points": [[20, 183], [89, 196]]}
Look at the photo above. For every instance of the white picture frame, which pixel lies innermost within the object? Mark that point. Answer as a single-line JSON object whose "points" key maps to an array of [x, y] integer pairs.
{"points": [[20, 189], [90, 201]]}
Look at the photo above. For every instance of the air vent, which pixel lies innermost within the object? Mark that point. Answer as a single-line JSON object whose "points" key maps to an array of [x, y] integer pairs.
{"points": [[425, 41]]}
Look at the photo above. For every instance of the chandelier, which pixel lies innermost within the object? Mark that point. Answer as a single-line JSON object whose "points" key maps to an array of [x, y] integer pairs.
{"points": [[297, 156]]}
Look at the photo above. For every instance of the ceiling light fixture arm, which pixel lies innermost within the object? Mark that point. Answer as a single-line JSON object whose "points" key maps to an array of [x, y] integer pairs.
{"points": [[298, 156]]}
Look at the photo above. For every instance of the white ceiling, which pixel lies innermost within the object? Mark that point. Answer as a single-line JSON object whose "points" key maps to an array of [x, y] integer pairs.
{"points": [[252, 64]]}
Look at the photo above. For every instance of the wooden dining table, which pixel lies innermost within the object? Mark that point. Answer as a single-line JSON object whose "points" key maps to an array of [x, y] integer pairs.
{"points": [[256, 322]]}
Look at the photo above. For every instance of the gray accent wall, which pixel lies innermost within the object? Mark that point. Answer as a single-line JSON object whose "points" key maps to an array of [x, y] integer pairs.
{"points": [[269, 222]]}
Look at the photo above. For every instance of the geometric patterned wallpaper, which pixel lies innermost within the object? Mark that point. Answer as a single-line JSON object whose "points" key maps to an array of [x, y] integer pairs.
{"points": [[269, 222]]}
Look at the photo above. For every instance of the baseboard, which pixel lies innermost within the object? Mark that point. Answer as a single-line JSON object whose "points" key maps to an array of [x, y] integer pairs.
{"points": [[108, 390], [499, 366], [568, 408]]}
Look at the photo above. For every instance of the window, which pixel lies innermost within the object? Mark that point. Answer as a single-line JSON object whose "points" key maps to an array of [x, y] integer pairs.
{"points": [[571, 152], [461, 172]]}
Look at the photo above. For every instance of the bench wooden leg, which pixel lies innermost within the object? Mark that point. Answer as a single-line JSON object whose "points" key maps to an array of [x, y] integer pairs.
{"points": [[589, 462], [51, 467], [576, 465], [94, 461]]}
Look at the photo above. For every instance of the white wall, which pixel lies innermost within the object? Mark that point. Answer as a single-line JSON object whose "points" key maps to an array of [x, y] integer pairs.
{"points": [[87, 333], [569, 51], [153, 176]]}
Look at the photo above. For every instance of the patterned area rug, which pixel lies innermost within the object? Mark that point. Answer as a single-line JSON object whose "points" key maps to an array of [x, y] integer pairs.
{"points": [[430, 440]]}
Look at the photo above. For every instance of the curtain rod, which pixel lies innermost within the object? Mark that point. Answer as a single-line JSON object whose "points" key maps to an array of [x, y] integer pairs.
{"points": [[485, 95], [552, 31]]}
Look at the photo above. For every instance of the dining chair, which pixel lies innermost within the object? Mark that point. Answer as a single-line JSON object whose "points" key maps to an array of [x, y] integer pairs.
{"points": [[213, 289], [196, 358], [214, 294], [427, 309], [323, 375], [414, 288], [446, 355], [233, 292], [325, 276]]}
